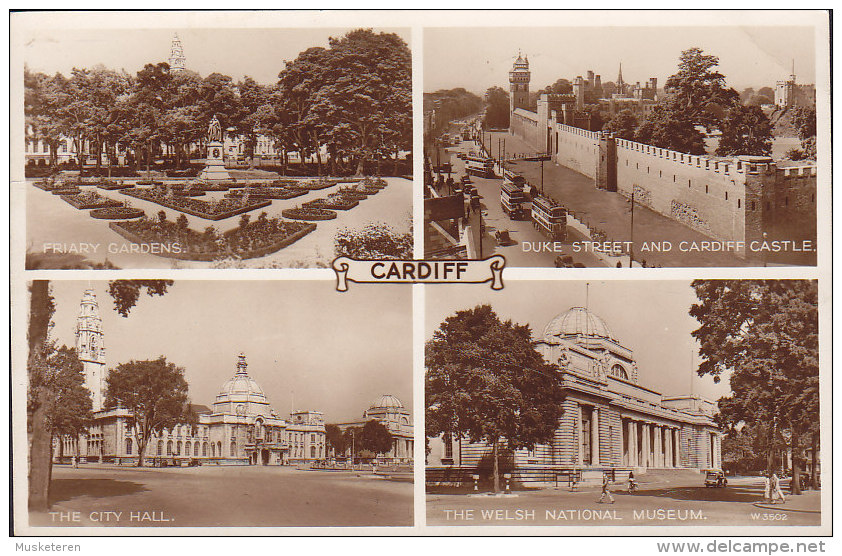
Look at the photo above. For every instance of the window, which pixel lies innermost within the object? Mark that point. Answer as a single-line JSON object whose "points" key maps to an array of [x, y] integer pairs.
{"points": [[213, 450], [128, 446], [169, 447], [587, 412], [219, 448], [448, 447], [178, 448], [706, 189], [160, 447], [195, 448], [233, 449], [618, 371], [205, 449], [738, 202], [726, 195], [312, 451]]}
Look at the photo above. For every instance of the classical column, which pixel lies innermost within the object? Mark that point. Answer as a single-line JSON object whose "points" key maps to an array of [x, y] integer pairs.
{"points": [[658, 447], [645, 446], [668, 447], [631, 442], [676, 434], [580, 456], [595, 437]]}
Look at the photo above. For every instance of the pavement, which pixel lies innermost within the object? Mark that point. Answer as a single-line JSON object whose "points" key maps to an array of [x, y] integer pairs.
{"points": [[675, 500], [207, 496]]}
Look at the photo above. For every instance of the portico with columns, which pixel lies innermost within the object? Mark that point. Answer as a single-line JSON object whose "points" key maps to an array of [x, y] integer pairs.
{"points": [[609, 420]]}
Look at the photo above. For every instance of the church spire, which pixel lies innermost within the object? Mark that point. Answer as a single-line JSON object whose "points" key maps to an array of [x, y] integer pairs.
{"points": [[620, 84]]}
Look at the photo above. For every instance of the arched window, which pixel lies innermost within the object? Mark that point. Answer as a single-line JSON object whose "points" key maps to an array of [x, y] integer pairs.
{"points": [[169, 447], [219, 448], [160, 447], [213, 450], [128, 446], [178, 448], [233, 449], [205, 449], [195, 448], [313, 452], [618, 371]]}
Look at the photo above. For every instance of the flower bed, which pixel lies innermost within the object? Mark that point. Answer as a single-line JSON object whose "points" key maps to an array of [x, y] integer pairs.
{"points": [[353, 195], [336, 202], [308, 214], [117, 213], [150, 182], [90, 200], [266, 193], [368, 190], [214, 210], [313, 185], [114, 185], [65, 190], [258, 238], [379, 183], [51, 185]]}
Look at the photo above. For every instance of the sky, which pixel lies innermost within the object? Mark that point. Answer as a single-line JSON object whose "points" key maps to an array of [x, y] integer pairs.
{"points": [[479, 58], [649, 317], [337, 352], [258, 53]]}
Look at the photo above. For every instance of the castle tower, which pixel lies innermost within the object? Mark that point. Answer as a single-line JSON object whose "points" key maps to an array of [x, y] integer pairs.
{"points": [[177, 59], [90, 348], [519, 83]]}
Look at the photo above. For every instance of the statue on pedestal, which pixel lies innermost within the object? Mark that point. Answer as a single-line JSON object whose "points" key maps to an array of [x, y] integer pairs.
{"points": [[214, 131]]}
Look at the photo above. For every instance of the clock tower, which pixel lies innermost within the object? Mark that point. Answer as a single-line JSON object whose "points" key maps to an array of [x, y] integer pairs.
{"points": [[519, 83], [177, 60], [90, 348]]}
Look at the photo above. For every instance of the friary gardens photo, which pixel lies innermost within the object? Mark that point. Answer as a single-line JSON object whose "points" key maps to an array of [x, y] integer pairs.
{"points": [[567, 147], [214, 148], [216, 403], [624, 403]]}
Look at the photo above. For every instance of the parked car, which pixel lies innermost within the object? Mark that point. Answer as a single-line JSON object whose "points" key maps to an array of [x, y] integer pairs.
{"points": [[503, 238], [715, 478]]}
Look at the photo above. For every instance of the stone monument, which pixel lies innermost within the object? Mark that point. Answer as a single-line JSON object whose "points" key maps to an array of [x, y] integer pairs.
{"points": [[214, 163]]}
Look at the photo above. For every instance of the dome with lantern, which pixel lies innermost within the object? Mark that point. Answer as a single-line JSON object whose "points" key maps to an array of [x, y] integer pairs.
{"points": [[241, 395], [577, 322]]}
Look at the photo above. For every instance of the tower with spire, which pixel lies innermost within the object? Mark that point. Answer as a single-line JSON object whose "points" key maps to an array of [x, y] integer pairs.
{"points": [[621, 85], [519, 79], [90, 348], [177, 60]]}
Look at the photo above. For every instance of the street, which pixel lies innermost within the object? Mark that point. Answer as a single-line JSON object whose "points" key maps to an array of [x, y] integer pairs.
{"points": [[223, 496], [677, 499], [610, 211]]}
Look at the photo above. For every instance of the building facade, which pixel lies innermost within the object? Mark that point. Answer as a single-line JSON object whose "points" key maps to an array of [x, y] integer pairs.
{"points": [[390, 412], [609, 420], [240, 428]]}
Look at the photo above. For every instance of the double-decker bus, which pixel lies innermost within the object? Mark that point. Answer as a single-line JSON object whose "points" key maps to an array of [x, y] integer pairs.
{"points": [[513, 200], [483, 170], [549, 217]]}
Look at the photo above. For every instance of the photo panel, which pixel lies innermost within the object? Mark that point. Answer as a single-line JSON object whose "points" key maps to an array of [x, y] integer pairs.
{"points": [[199, 148], [556, 148], [217, 404], [624, 404]]}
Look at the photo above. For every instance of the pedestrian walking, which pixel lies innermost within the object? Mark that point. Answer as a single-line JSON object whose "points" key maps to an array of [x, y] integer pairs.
{"points": [[606, 483], [776, 489]]}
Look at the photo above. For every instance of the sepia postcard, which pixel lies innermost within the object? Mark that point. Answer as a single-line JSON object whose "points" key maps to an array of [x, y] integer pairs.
{"points": [[584, 255]]}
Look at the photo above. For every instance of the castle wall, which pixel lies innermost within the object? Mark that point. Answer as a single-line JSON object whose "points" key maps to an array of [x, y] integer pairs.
{"points": [[577, 149], [524, 124]]}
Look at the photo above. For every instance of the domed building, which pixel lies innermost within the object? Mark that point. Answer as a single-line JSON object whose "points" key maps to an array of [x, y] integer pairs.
{"points": [[610, 421], [240, 428], [390, 411]]}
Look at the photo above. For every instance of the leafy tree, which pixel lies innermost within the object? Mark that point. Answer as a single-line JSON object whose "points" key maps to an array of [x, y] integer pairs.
{"points": [[43, 391], [336, 439], [765, 332], [43, 96], [697, 97], [486, 381], [155, 392], [804, 120], [496, 108], [375, 437], [623, 124], [745, 130], [375, 241]]}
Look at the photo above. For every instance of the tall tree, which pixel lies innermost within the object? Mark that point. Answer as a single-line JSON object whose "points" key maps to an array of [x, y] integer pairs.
{"points": [[623, 124], [765, 332], [696, 98], [745, 131], [375, 437], [485, 380], [497, 108], [155, 392], [336, 439], [42, 391]]}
